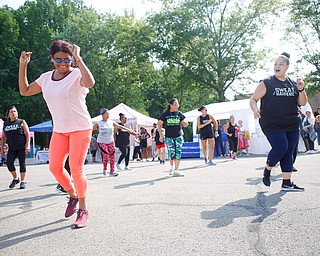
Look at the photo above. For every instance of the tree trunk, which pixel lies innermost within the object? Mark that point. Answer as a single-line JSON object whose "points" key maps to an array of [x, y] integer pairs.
{"points": [[221, 96]]}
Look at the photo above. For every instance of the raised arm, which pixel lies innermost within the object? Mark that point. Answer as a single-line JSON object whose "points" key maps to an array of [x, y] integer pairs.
{"points": [[87, 79], [25, 88], [303, 97]]}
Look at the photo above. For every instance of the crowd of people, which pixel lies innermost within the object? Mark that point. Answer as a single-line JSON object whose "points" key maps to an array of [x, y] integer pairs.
{"points": [[65, 88]]}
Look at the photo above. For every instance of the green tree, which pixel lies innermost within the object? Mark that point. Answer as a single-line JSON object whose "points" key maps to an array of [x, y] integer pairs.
{"points": [[116, 50], [304, 26], [211, 40]]}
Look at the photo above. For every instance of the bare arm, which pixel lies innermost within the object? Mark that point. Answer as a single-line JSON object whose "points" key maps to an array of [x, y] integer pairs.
{"points": [[215, 125], [3, 142], [95, 127], [200, 126], [160, 130], [26, 132], [25, 88], [184, 123], [87, 79], [303, 97], [118, 126], [260, 91]]}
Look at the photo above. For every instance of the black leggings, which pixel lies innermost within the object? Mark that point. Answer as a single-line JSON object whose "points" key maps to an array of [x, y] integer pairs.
{"points": [[233, 144], [125, 154], [12, 155]]}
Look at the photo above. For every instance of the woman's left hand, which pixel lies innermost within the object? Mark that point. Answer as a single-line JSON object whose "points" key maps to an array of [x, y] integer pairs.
{"points": [[75, 49], [300, 83]]}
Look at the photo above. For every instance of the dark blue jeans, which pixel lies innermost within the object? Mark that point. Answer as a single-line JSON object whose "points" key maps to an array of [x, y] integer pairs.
{"points": [[282, 147]]}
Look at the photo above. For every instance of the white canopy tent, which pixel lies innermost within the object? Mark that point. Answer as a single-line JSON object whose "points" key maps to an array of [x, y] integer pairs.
{"points": [[258, 143], [134, 117]]}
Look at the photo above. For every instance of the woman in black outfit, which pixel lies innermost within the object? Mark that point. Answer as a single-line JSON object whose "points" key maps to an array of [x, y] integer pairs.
{"points": [[206, 123], [123, 142], [16, 133], [232, 130], [279, 119]]}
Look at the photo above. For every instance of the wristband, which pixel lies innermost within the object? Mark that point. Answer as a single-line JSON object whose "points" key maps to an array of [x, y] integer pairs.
{"points": [[78, 60], [301, 90]]}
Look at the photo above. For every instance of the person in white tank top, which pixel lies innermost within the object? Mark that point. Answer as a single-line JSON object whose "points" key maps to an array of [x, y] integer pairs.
{"points": [[106, 140]]}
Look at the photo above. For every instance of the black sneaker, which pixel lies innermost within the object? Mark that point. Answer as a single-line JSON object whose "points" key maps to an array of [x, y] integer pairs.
{"points": [[292, 187], [23, 185], [266, 177], [60, 189], [294, 169], [13, 183]]}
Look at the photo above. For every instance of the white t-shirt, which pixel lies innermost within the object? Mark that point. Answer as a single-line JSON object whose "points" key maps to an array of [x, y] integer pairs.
{"points": [[106, 132], [66, 100]]}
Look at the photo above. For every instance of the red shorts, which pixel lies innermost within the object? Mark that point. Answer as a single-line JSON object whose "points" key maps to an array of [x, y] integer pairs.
{"points": [[161, 146]]}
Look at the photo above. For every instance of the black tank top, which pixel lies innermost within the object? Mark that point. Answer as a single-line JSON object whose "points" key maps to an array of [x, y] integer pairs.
{"points": [[157, 138], [232, 129], [16, 138], [207, 130], [279, 106], [122, 138]]}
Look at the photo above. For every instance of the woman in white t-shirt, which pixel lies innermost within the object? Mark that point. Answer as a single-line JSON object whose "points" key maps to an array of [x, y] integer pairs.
{"points": [[64, 90], [106, 140]]}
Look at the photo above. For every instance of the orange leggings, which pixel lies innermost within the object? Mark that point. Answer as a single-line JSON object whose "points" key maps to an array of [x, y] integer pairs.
{"points": [[75, 144]]}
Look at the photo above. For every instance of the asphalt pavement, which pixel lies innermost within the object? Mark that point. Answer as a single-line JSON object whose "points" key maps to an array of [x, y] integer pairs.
{"points": [[219, 210]]}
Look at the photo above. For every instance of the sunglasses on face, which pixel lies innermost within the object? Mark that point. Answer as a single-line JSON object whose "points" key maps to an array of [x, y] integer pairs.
{"points": [[59, 61]]}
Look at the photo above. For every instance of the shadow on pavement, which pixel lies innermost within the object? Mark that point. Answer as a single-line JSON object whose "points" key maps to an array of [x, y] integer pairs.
{"points": [[140, 183], [260, 206], [256, 181], [16, 237]]}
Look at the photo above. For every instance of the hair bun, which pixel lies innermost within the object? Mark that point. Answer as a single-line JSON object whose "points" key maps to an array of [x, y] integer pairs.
{"points": [[286, 54]]}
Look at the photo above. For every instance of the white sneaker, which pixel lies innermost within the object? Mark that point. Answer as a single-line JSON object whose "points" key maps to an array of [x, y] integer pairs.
{"points": [[177, 174], [118, 167], [127, 168], [171, 170]]}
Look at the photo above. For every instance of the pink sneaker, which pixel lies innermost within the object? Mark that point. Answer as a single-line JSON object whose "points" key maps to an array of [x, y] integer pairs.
{"points": [[71, 208], [82, 219]]}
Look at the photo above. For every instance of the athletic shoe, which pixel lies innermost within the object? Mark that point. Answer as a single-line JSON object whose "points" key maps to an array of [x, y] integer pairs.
{"points": [[206, 161], [13, 183], [82, 219], [212, 163], [234, 158], [177, 174], [104, 172], [23, 184], [118, 167], [60, 189], [71, 208], [113, 174], [171, 170], [266, 177], [292, 187], [127, 168], [294, 169]]}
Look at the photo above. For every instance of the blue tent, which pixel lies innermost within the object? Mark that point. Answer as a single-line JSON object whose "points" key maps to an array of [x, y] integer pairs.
{"points": [[43, 127]]}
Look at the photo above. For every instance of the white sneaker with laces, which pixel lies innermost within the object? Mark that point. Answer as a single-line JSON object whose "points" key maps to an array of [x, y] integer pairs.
{"points": [[171, 170]]}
